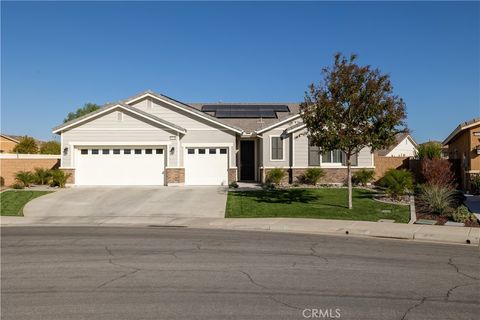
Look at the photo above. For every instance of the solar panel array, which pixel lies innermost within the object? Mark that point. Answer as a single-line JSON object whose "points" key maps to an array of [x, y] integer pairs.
{"points": [[245, 111]]}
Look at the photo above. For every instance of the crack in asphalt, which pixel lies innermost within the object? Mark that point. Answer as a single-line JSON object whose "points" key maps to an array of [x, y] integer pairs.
{"points": [[253, 281], [450, 262], [449, 292], [314, 253], [126, 274], [422, 301]]}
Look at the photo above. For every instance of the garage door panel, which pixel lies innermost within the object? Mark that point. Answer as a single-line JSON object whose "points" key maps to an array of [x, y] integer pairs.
{"points": [[206, 166], [120, 169]]}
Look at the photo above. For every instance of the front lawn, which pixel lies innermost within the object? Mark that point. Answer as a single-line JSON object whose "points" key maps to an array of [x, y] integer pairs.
{"points": [[12, 202], [323, 203]]}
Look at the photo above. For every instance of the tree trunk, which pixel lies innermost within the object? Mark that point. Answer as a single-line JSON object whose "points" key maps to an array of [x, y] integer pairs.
{"points": [[349, 178]]}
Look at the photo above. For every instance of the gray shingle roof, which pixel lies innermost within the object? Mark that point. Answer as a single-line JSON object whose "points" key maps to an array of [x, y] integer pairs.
{"points": [[459, 129]]}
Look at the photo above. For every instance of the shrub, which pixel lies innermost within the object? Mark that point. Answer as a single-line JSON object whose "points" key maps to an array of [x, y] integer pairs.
{"points": [[26, 145], [475, 184], [18, 186], [363, 176], [233, 184], [313, 175], [275, 176], [437, 172], [25, 178], [429, 150], [462, 214], [397, 182], [50, 147], [2, 181], [59, 178], [42, 176], [436, 198]]}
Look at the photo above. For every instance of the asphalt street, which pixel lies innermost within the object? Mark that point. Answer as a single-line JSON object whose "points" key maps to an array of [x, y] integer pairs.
{"points": [[179, 273]]}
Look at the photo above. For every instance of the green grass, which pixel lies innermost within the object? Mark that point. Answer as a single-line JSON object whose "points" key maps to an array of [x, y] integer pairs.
{"points": [[323, 203], [12, 202]]}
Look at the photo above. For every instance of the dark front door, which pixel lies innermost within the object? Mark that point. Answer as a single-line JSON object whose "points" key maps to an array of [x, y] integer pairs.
{"points": [[247, 160]]}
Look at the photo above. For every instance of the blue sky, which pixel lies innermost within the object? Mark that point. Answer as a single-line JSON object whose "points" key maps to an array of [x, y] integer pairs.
{"points": [[56, 56]]}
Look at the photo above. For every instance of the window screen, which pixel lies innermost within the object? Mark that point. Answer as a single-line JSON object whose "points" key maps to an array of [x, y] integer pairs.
{"points": [[277, 148]]}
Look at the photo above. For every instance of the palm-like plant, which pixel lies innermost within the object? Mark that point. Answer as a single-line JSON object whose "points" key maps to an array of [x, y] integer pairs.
{"points": [[24, 177], [60, 178], [397, 183], [42, 176]]}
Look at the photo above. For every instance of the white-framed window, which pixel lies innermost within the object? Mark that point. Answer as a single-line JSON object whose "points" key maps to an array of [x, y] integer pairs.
{"points": [[277, 148], [333, 157]]}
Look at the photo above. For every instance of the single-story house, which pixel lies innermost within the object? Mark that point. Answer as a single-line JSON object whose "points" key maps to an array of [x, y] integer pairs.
{"points": [[8, 142], [152, 139], [464, 150], [404, 146]]}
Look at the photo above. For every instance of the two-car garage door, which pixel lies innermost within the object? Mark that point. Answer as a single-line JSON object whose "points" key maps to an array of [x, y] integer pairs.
{"points": [[132, 165]]}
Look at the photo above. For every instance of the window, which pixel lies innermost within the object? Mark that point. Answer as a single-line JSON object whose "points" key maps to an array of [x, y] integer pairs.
{"points": [[94, 151], [148, 151], [127, 151], [212, 151], [201, 151], [276, 148], [159, 151], [116, 151], [191, 151], [335, 156], [313, 155], [223, 151], [138, 151], [105, 151], [84, 151]]}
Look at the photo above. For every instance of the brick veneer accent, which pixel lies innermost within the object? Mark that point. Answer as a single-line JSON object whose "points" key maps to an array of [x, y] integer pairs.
{"points": [[232, 175], [175, 175], [8, 167], [332, 175], [383, 164], [71, 179]]}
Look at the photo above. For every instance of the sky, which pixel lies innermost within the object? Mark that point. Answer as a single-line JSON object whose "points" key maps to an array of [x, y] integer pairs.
{"points": [[56, 56]]}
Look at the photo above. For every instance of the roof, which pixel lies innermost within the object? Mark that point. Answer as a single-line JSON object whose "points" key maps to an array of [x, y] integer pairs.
{"points": [[124, 106], [462, 126], [399, 137], [12, 138], [250, 125]]}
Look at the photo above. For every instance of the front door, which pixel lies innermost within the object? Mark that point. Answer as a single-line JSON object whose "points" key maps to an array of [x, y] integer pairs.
{"points": [[247, 160]]}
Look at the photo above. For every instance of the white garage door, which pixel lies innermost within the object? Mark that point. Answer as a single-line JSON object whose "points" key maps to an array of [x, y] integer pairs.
{"points": [[206, 166], [120, 166]]}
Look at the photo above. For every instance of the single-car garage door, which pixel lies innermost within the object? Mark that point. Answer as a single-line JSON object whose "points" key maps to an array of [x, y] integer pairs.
{"points": [[119, 166], [206, 166]]}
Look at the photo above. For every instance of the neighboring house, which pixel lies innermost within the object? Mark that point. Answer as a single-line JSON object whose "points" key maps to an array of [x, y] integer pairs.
{"points": [[8, 142], [151, 139], [464, 149], [404, 146]]}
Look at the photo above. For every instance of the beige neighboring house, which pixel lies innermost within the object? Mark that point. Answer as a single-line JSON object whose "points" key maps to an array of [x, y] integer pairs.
{"points": [[8, 142], [405, 146], [464, 150], [152, 139]]}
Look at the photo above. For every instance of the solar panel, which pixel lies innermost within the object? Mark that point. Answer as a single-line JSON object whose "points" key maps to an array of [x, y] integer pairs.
{"points": [[245, 111]]}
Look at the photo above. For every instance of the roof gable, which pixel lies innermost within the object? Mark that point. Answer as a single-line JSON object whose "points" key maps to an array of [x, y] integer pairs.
{"points": [[462, 126]]}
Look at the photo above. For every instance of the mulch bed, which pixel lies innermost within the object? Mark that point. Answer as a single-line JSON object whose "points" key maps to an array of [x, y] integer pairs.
{"points": [[441, 219]]}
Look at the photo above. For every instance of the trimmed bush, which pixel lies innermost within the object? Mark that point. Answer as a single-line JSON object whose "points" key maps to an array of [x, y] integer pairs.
{"points": [[313, 175], [363, 176], [18, 186], [397, 182], [42, 176], [50, 147], [429, 150], [275, 176], [436, 199], [233, 185], [25, 177], [59, 178], [462, 214]]}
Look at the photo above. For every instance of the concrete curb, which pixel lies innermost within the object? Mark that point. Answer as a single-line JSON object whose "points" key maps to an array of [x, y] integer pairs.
{"points": [[439, 234]]}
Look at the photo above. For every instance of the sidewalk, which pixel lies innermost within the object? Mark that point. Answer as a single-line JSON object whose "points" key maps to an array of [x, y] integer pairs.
{"points": [[444, 234]]}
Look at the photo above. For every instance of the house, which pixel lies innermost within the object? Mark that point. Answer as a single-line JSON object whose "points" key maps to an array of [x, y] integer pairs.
{"points": [[8, 142], [404, 146], [464, 151], [152, 139]]}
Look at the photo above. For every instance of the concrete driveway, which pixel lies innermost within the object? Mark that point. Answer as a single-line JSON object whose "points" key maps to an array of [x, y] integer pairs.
{"points": [[176, 202]]}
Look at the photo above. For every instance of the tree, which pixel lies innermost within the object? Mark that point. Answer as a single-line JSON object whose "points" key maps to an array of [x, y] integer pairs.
{"points": [[50, 147], [87, 108], [26, 145], [352, 108], [429, 150]]}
